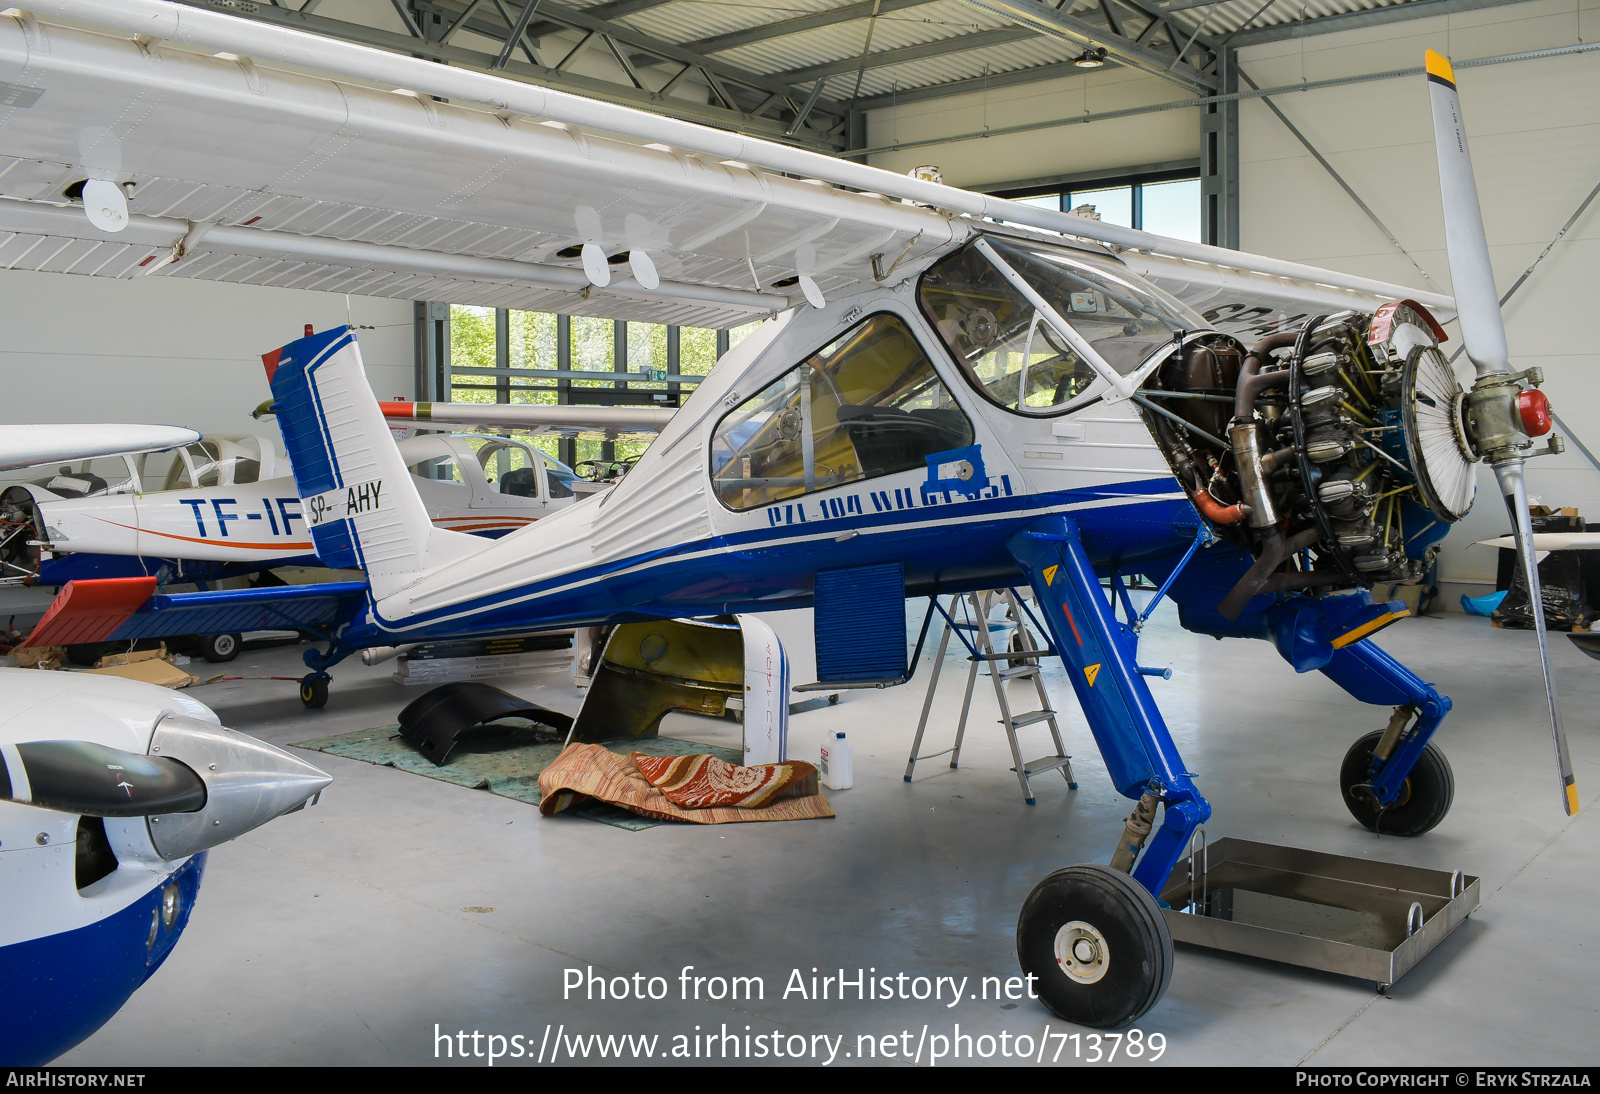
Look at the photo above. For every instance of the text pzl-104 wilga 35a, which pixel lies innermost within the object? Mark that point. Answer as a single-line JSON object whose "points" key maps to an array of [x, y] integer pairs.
{"points": [[961, 393]]}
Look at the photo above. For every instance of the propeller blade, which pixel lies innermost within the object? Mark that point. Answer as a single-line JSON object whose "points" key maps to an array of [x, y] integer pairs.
{"points": [[1516, 494], [1477, 304]]}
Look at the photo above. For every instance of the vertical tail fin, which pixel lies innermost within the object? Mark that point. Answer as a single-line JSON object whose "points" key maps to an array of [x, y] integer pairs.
{"points": [[357, 496]]}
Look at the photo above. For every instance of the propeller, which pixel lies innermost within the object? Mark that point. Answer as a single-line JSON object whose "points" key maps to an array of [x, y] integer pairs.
{"points": [[1504, 411]]}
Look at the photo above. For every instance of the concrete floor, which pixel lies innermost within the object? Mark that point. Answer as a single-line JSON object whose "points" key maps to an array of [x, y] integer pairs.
{"points": [[348, 932]]}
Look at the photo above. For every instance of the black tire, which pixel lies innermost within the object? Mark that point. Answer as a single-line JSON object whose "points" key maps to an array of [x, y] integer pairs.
{"points": [[219, 649], [87, 653], [1425, 796], [1127, 942], [314, 691]]}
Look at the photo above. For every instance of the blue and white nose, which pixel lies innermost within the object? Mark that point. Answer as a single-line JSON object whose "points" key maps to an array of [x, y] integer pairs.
{"points": [[199, 785]]}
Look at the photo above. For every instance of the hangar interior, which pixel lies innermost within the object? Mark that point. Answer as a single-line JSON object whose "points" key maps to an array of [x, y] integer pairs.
{"points": [[350, 933]]}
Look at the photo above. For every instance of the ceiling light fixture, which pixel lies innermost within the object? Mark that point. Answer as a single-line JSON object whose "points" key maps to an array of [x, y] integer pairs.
{"points": [[1094, 57]]}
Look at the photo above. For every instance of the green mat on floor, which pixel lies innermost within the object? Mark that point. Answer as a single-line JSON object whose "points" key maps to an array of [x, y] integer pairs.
{"points": [[505, 758]]}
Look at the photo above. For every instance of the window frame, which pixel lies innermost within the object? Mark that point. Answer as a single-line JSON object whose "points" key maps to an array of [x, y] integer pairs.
{"points": [[915, 325], [1084, 399]]}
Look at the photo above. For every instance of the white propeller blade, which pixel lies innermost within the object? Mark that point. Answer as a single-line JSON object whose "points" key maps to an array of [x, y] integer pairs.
{"points": [[1484, 333], [1477, 304], [1516, 495]]}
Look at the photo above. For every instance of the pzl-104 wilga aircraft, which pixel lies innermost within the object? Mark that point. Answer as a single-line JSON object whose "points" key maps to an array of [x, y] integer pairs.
{"points": [[963, 393]]}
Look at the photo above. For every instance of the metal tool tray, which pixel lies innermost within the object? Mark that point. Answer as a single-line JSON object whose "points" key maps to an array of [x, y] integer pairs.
{"points": [[1351, 916]]}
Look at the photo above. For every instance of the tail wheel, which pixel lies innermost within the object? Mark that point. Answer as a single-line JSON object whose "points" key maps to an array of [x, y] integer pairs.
{"points": [[1424, 799], [314, 691], [1096, 944]]}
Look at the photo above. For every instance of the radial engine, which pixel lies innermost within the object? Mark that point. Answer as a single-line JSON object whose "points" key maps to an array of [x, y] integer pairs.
{"points": [[1339, 453]]}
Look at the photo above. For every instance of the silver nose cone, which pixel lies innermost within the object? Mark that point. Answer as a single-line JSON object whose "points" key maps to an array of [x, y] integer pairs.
{"points": [[248, 782]]}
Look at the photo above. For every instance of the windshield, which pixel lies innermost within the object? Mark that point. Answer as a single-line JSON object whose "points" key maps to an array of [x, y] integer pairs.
{"points": [[1012, 352]]}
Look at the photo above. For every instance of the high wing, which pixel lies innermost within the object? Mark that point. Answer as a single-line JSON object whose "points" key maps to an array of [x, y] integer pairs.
{"points": [[27, 445], [509, 195]]}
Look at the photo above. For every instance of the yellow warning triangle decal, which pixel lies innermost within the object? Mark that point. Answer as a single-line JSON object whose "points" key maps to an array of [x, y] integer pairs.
{"points": [[1091, 672], [1050, 574]]}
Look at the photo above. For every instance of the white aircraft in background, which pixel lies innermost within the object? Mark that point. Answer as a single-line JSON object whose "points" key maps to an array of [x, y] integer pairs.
{"points": [[221, 507], [111, 792], [960, 393]]}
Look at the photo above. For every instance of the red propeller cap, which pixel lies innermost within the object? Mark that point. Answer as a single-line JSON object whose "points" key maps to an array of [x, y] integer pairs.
{"points": [[1535, 411]]}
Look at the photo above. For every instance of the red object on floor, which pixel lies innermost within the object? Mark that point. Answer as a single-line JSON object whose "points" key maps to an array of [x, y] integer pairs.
{"points": [[91, 611]]}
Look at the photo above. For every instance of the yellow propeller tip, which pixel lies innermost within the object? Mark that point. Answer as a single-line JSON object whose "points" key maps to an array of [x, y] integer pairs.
{"points": [[1572, 799], [1439, 68]]}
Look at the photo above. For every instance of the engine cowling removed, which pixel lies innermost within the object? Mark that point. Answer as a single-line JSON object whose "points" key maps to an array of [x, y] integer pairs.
{"points": [[1336, 452]]}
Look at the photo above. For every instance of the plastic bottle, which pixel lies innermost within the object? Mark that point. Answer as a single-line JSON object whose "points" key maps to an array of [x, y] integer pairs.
{"points": [[836, 768]]}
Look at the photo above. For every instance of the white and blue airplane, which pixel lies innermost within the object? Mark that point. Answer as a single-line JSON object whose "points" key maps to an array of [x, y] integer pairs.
{"points": [[111, 792], [955, 392]]}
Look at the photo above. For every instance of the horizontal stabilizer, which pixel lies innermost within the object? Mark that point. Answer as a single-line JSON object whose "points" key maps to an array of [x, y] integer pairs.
{"points": [[234, 611], [91, 611]]}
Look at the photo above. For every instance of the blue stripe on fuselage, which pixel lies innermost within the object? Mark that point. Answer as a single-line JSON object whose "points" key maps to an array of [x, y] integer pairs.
{"points": [[770, 568]]}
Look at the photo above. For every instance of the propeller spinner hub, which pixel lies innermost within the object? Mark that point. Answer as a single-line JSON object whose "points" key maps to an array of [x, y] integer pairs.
{"points": [[1533, 406], [1501, 417]]}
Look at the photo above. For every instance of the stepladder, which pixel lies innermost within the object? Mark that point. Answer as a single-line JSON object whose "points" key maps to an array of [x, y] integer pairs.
{"points": [[968, 618]]}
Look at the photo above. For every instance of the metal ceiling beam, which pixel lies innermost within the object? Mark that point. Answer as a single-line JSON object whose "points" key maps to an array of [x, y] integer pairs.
{"points": [[1046, 20], [832, 17], [1394, 13], [606, 90], [971, 85], [922, 51], [1183, 5], [648, 44]]}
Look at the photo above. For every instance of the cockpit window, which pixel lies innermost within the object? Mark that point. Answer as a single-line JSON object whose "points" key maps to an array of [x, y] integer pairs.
{"points": [[1013, 353], [868, 404]]}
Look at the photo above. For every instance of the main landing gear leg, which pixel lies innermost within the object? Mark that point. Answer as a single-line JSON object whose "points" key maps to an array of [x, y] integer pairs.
{"points": [[1395, 781], [1093, 935]]}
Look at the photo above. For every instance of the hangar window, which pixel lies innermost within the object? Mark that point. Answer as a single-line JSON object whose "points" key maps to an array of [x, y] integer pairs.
{"points": [[867, 404]]}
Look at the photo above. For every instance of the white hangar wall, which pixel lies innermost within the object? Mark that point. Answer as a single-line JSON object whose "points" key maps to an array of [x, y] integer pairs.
{"points": [[1099, 147], [170, 350], [1534, 128]]}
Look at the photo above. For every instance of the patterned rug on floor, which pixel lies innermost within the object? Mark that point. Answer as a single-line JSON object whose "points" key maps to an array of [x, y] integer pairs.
{"points": [[505, 758]]}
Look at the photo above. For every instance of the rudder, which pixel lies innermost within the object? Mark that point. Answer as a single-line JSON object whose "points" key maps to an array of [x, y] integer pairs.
{"points": [[356, 493]]}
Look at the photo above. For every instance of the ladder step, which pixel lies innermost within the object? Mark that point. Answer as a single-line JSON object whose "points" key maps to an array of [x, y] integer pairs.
{"points": [[1013, 655], [1030, 718], [1020, 672], [1046, 763]]}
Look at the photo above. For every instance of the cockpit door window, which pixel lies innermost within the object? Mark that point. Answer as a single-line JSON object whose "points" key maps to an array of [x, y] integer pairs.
{"points": [[867, 404]]}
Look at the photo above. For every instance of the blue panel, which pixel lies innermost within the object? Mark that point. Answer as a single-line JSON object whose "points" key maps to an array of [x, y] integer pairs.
{"points": [[299, 414], [861, 623], [231, 611], [63, 987], [336, 545]]}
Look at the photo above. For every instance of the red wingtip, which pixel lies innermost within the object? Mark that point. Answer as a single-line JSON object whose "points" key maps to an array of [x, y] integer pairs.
{"points": [[91, 611]]}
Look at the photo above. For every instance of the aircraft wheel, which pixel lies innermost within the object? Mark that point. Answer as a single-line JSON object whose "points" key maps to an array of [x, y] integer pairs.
{"points": [[1424, 799], [1096, 943], [220, 648], [314, 690]]}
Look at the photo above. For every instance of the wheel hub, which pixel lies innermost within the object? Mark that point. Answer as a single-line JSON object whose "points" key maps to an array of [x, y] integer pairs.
{"points": [[1081, 952]]}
